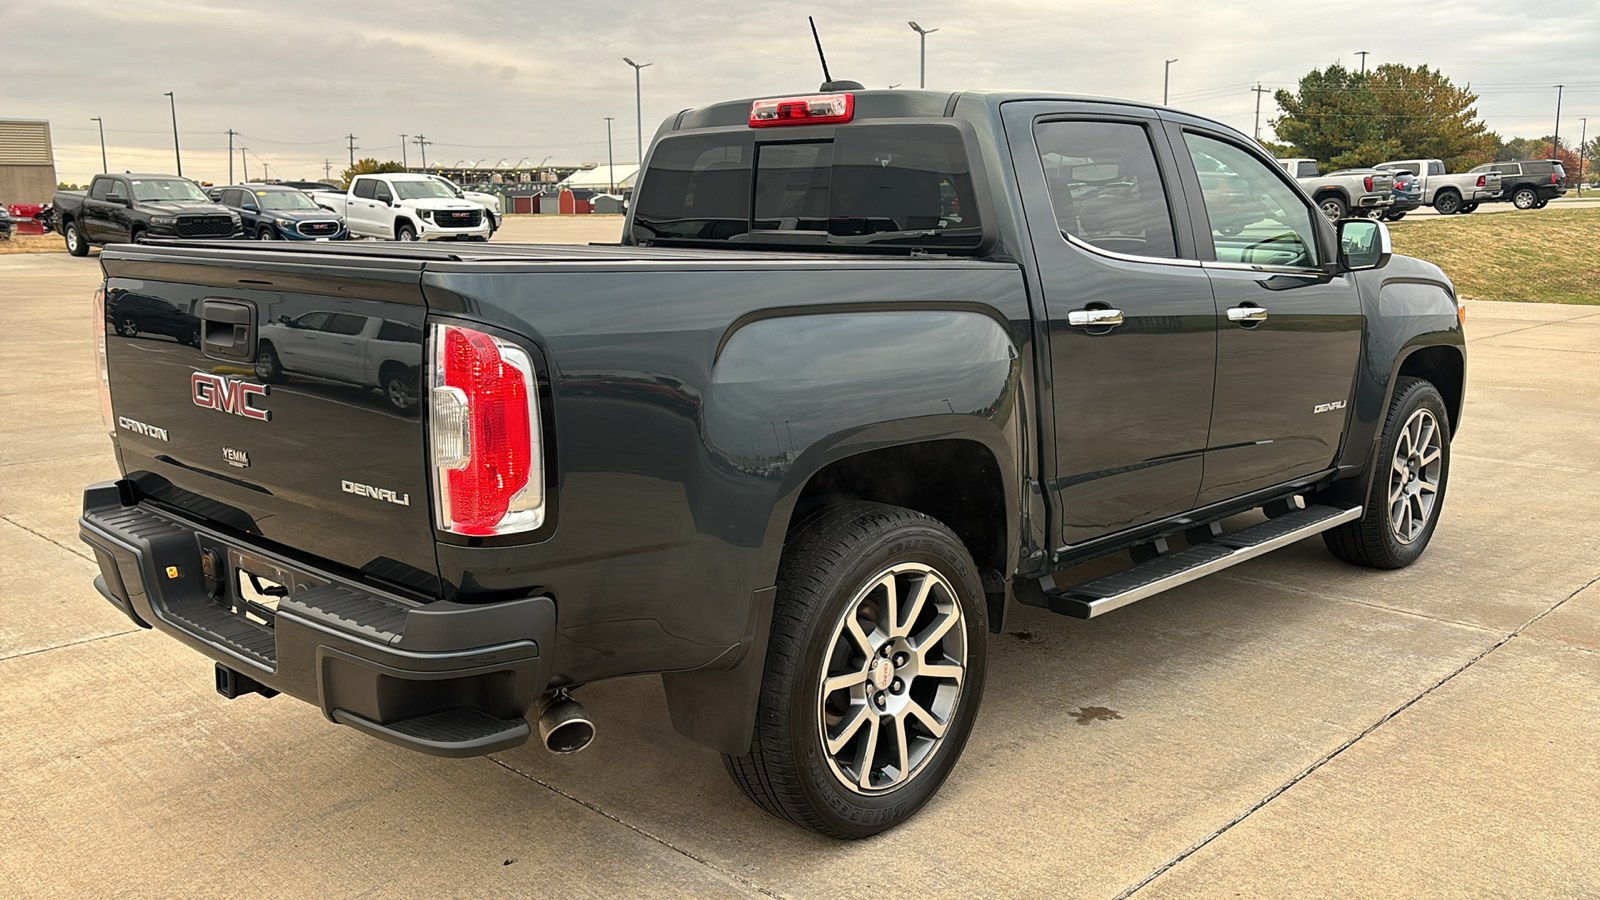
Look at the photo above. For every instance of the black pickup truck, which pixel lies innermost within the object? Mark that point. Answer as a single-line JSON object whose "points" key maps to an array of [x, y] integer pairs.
{"points": [[866, 368], [127, 208]]}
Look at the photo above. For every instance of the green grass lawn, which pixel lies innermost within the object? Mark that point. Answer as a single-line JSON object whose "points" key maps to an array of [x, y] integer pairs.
{"points": [[1549, 255]]}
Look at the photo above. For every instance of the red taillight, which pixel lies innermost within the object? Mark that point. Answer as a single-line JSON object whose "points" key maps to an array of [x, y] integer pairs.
{"points": [[1554, 179], [1483, 180], [106, 417], [487, 453], [1368, 182], [818, 109]]}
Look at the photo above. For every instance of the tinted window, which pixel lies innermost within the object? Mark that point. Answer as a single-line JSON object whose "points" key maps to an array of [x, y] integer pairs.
{"points": [[697, 187], [161, 189], [1255, 217], [902, 183], [363, 188], [248, 200], [1105, 187], [101, 189], [1537, 168], [1307, 169], [1435, 167], [381, 192], [1505, 169], [401, 332], [344, 323], [316, 321]]}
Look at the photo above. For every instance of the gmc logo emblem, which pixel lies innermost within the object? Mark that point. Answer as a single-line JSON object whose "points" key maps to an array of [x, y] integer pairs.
{"points": [[229, 395]]}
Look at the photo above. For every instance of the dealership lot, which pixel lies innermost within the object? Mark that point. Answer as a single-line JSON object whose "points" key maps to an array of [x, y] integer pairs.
{"points": [[1292, 727]]}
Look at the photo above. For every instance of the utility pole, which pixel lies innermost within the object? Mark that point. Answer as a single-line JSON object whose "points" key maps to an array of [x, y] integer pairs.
{"points": [[1259, 91], [1363, 55], [105, 168], [638, 102], [422, 145], [231, 134], [1583, 139], [327, 168], [922, 56], [352, 139], [611, 159], [1555, 142], [1166, 71], [178, 154], [403, 161], [244, 160]]}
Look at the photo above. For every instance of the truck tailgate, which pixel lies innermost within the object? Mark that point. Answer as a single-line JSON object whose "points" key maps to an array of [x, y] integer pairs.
{"points": [[255, 390]]}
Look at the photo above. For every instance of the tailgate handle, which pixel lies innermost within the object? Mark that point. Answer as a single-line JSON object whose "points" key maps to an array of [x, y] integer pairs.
{"points": [[228, 329]]}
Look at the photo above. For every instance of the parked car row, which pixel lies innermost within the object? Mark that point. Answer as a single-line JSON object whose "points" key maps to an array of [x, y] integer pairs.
{"points": [[1391, 189]]}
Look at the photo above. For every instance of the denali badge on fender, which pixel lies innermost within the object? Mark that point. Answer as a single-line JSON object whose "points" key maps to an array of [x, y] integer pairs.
{"points": [[367, 490], [230, 395], [1327, 407]]}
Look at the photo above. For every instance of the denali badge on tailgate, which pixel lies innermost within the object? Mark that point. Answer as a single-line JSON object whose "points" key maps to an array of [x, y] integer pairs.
{"points": [[230, 395]]}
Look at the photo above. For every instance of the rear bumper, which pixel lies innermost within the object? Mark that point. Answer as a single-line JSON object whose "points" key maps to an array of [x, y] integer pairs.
{"points": [[1375, 201], [442, 678]]}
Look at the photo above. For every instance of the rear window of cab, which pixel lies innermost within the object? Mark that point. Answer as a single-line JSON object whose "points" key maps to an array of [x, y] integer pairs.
{"points": [[904, 185]]}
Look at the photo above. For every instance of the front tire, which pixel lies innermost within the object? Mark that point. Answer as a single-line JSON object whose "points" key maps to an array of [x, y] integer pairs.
{"points": [[405, 233], [268, 369], [76, 245], [1394, 216], [1407, 495], [874, 672], [266, 234]]}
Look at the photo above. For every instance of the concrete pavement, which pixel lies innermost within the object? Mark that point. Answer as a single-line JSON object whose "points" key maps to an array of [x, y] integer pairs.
{"points": [[1292, 727]]}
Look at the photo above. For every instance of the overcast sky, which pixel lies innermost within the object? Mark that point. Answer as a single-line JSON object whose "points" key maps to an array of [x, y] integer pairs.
{"points": [[506, 80]]}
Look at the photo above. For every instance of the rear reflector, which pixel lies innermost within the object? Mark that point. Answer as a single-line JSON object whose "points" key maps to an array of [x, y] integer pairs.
{"points": [[488, 457], [818, 109]]}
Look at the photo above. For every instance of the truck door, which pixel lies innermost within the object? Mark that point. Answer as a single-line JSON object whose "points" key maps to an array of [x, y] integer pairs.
{"points": [[106, 217], [1288, 333], [1132, 324], [361, 207]]}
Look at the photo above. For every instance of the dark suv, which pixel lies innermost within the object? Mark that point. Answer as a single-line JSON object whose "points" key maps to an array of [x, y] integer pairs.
{"points": [[1528, 183], [272, 212]]}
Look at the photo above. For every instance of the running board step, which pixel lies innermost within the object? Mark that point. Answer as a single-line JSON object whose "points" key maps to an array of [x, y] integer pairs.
{"points": [[1108, 592]]}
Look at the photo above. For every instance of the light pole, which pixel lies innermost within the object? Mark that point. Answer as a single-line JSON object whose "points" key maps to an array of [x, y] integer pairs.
{"points": [[176, 153], [1363, 55], [1555, 142], [105, 167], [403, 162], [922, 56], [611, 160], [1166, 72], [1583, 139], [638, 102]]}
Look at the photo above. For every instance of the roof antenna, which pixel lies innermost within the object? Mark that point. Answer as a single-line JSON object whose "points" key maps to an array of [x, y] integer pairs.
{"points": [[828, 84]]}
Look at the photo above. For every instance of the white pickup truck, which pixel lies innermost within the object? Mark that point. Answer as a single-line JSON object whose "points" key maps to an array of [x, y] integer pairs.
{"points": [[489, 202], [407, 208], [342, 346], [1337, 193], [1448, 194]]}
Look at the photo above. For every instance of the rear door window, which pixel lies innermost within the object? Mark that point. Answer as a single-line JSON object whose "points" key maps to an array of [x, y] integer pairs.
{"points": [[1435, 167], [346, 324], [1105, 187], [363, 188]]}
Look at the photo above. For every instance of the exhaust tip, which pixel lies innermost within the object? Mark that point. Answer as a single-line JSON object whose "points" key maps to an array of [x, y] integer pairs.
{"points": [[564, 725]]}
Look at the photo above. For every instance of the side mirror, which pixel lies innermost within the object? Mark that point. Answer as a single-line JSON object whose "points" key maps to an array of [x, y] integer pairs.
{"points": [[1363, 244]]}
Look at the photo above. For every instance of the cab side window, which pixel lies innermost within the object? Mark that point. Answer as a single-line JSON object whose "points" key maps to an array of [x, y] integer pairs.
{"points": [[1435, 168], [363, 188], [1105, 187], [1256, 218]]}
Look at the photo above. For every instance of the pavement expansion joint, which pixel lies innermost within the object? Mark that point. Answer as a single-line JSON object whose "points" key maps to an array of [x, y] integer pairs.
{"points": [[45, 537], [1324, 595], [1331, 755], [88, 640], [732, 876]]}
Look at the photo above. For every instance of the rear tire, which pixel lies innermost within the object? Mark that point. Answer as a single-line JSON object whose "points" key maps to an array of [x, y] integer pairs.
{"points": [[1334, 208], [857, 667], [399, 385], [1541, 204], [1468, 207], [1394, 216], [1524, 198], [1447, 203], [268, 368], [1412, 470], [128, 326], [76, 245]]}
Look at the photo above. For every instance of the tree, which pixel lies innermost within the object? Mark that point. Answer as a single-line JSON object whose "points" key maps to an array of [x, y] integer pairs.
{"points": [[1346, 119], [367, 167]]}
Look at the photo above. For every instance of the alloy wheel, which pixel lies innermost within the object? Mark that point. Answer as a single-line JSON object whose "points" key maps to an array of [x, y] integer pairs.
{"points": [[1414, 475], [895, 670]]}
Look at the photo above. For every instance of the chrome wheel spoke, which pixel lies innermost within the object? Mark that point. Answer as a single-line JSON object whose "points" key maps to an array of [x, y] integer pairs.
{"points": [[918, 600], [859, 716], [937, 631], [863, 641], [943, 671], [888, 614], [902, 747], [841, 682]]}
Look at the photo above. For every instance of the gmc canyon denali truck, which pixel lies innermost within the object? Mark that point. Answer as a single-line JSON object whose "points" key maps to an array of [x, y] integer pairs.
{"points": [[866, 368], [127, 208]]}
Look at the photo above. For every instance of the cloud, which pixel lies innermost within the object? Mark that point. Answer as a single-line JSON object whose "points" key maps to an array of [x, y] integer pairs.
{"points": [[512, 79]]}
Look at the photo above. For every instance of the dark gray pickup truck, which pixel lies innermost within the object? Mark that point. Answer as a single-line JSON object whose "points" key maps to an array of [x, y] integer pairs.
{"points": [[866, 368], [131, 207]]}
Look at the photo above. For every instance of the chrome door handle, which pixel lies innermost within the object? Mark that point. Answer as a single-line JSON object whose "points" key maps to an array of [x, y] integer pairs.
{"points": [[1247, 314], [1085, 318]]}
